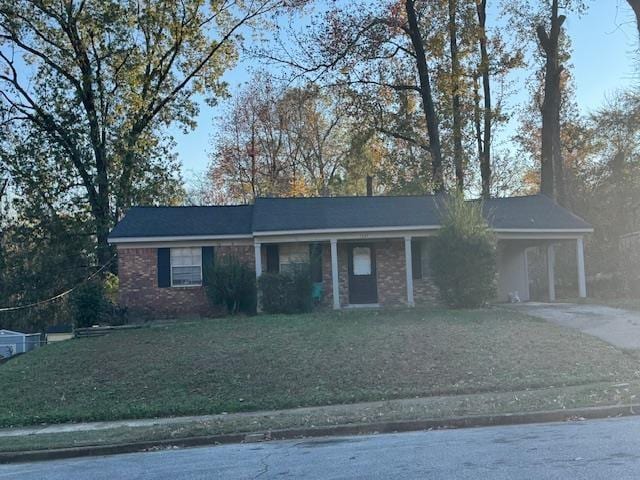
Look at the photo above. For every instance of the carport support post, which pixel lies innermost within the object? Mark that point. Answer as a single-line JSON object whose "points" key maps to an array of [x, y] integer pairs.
{"points": [[582, 280], [551, 271], [334, 274], [408, 261], [258, 254]]}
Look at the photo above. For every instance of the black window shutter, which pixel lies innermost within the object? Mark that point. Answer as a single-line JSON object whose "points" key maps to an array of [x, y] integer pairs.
{"points": [[416, 259], [164, 267], [315, 262], [273, 259], [208, 258]]}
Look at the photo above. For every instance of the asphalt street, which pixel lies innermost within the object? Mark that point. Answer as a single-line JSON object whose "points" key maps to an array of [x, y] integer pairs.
{"points": [[574, 450]]}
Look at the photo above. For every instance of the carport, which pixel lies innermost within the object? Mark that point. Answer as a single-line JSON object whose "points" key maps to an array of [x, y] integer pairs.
{"points": [[513, 263], [520, 225]]}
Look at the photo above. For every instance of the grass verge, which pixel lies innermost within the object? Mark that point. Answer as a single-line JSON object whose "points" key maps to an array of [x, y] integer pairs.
{"points": [[432, 408]]}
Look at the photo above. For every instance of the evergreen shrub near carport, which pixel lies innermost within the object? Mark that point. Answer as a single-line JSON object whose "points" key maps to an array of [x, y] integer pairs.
{"points": [[463, 255]]}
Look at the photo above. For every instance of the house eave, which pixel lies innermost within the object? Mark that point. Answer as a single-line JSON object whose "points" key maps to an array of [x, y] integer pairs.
{"points": [[543, 230], [177, 238], [344, 234], [541, 234], [274, 233]]}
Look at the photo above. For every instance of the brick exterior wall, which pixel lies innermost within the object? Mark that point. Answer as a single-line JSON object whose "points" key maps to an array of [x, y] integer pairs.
{"points": [[139, 291], [343, 274], [390, 271], [425, 292]]}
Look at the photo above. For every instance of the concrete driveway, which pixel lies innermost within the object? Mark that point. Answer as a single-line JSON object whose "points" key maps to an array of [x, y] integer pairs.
{"points": [[613, 325]]}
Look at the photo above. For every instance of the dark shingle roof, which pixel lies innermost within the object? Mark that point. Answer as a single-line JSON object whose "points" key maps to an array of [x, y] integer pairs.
{"points": [[330, 213], [184, 221], [533, 211], [273, 214]]}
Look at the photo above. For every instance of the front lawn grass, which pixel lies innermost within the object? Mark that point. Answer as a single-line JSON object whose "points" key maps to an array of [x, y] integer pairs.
{"points": [[275, 362]]}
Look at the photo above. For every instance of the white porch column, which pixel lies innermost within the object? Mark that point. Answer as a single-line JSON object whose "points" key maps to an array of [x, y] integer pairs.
{"points": [[582, 280], [408, 261], [334, 274], [258, 255], [551, 272]]}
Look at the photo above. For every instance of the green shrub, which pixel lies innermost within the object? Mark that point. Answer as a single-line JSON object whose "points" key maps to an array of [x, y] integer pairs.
{"points": [[111, 287], [89, 305], [287, 292], [463, 255], [232, 284]]}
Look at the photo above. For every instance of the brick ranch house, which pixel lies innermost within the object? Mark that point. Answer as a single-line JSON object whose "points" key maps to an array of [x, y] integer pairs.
{"points": [[362, 250]]}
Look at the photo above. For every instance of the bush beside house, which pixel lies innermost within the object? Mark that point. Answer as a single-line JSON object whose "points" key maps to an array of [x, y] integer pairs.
{"points": [[231, 283], [89, 304], [463, 255], [95, 302], [287, 292]]}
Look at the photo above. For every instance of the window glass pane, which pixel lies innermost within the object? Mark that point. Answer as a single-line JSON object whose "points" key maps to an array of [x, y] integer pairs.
{"points": [[186, 276], [293, 255], [362, 261], [186, 266], [315, 260]]}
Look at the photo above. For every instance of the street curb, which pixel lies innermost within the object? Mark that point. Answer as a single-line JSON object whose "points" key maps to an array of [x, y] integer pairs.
{"points": [[307, 432]]}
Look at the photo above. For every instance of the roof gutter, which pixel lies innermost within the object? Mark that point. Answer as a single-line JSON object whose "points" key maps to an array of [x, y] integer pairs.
{"points": [[543, 230], [281, 233], [344, 230], [175, 238]]}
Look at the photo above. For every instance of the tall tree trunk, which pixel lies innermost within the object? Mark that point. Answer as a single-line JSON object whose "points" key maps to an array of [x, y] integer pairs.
{"points": [[476, 113], [254, 166], [455, 84], [551, 155], [558, 164], [485, 144], [102, 214], [3, 185], [431, 117]]}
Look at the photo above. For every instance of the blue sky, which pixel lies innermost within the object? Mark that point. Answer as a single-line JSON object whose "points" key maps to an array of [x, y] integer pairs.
{"points": [[603, 59]]}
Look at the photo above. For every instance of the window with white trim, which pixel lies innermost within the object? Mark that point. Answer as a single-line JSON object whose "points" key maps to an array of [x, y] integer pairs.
{"points": [[293, 255], [186, 267]]}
